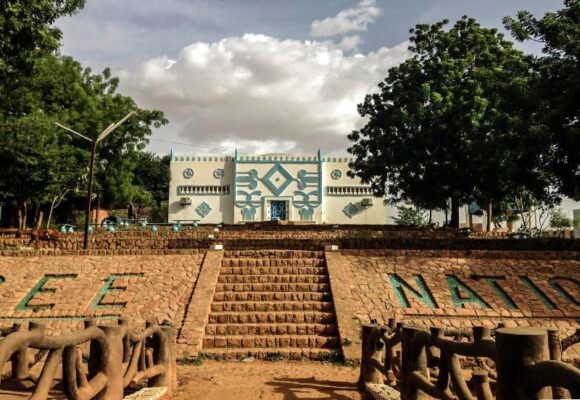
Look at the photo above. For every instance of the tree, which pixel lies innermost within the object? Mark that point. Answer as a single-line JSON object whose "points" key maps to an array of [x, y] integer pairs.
{"points": [[43, 161], [27, 32], [446, 123], [559, 220], [152, 174], [555, 123], [410, 215]]}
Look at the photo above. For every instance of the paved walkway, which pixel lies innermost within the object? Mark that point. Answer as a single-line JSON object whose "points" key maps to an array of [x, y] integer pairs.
{"points": [[267, 381]]}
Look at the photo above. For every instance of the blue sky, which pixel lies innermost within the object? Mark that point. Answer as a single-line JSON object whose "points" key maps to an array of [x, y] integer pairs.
{"points": [[259, 75]]}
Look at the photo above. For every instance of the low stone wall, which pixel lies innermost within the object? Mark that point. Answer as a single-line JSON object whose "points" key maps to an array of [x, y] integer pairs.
{"points": [[63, 291], [285, 237], [455, 289]]}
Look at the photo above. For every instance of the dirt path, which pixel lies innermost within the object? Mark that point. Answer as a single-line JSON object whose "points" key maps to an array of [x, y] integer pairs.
{"points": [[266, 380]]}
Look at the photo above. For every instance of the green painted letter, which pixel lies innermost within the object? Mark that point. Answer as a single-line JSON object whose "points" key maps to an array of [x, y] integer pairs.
{"points": [[539, 294], [39, 288], [555, 283], [424, 294], [459, 301], [108, 287]]}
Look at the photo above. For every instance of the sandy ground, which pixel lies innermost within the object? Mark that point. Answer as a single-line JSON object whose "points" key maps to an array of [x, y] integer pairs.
{"points": [[280, 380]]}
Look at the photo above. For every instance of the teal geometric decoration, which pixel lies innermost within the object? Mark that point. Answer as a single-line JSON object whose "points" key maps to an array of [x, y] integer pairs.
{"points": [[306, 213], [203, 209], [248, 214], [423, 295], [350, 210], [459, 300], [154, 228], [176, 227], [336, 174], [277, 179], [188, 173], [218, 173]]}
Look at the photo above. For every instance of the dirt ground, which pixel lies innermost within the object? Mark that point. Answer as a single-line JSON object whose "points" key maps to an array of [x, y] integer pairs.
{"points": [[282, 380]]}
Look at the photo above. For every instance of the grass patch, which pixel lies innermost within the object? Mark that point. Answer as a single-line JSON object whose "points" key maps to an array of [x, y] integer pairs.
{"points": [[277, 356], [201, 357]]}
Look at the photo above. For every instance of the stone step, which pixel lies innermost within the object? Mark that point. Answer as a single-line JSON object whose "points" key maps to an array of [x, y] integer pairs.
{"points": [[273, 279], [263, 254], [272, 306], [273, 271], [312, 317], [282, 341], [269, 353], [274, 262], [272, 287], [270, 296], [271, 329]]}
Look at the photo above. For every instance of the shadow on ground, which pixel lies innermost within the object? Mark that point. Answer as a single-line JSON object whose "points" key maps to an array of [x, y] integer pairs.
{"points": [[296, 388]]}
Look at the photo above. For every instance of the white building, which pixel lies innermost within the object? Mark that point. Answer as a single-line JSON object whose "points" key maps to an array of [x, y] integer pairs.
{"points": [[243, 188]]}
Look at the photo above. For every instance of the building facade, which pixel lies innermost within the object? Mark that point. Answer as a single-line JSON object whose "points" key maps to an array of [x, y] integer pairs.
{"points": [[246, 188]]}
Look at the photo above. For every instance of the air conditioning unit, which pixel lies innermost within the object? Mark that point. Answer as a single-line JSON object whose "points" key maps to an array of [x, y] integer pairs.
{"points": [[185, 201], [367, 202]]}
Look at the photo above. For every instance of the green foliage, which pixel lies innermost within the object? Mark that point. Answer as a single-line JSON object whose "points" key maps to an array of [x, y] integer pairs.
{"points": [[559, 219], [410, 215], [446, 123], [27, 31], [152, 174], [554, 128]]}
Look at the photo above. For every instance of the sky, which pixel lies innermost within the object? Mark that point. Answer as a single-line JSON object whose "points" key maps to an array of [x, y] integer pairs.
{"points": [[261, 76]]}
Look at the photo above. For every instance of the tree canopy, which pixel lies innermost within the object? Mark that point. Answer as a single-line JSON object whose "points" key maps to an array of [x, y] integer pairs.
{"points": [[445, 124], [555, 122], [38, 87]]}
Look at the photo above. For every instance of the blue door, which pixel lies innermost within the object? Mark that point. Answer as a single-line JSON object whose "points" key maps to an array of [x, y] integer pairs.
{"points": [[278, 210]]}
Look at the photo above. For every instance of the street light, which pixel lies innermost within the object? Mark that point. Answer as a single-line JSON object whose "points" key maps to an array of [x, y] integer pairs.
{"points": [[94, 143]]}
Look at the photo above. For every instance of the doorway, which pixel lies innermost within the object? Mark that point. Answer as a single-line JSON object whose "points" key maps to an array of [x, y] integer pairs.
{"points": [[278, 210]]}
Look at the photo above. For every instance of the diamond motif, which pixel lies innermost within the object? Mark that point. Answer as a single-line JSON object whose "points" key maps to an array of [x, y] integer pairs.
{"points": [[281, 177], [350, 210], [203, 209]]}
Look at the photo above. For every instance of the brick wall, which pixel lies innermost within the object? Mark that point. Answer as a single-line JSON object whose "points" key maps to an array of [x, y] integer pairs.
{"points": [[288, 237], [62, 291], [453, 289]]}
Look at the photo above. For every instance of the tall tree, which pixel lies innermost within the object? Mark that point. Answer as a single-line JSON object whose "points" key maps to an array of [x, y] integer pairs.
{"points": [[555, 124], [43, 161], [443, 124]]}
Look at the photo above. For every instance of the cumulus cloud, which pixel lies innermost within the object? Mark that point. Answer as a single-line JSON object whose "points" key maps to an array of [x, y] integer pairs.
{"points": [[353, 19], [262, 94]]}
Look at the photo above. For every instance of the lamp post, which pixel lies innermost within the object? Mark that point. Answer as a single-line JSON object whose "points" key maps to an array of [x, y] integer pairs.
{"points": [[94, 143]]}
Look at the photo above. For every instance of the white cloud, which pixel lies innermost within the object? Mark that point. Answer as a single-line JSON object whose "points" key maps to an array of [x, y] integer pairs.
{"points": [[353, 19], [260, 93]]}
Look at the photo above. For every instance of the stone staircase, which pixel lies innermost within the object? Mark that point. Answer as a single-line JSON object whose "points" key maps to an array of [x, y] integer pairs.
{"points": [[271, 303]]}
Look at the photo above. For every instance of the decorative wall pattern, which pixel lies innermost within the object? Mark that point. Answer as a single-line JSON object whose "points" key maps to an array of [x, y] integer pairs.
{"points": [[203, 209], [218, 173], [305, 185], [188, 173], [350, 210]]}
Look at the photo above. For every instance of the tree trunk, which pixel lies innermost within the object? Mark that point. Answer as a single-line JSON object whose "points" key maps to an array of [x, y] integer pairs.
{"points": [[50, 213], [39, 219], [22, 213], [454, 213], [489, 215]]}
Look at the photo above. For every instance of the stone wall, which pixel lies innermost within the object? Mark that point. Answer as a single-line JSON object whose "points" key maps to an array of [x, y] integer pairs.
{"points": [[453, 289], [296, 237], [63, 291]]}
